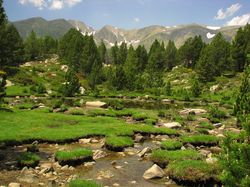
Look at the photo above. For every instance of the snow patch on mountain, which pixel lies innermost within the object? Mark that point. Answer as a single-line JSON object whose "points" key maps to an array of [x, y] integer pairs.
{"points": [[213, 28], [209, 35]]}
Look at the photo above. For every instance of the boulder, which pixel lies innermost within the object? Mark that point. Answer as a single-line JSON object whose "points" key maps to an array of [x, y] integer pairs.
{"points": [[214, 88], [211, 160], [139, 138], [99, 154], [96, 104], [28, 177], [195, 111], [167, 101], [84, 140], [217, 125], [144, 151], [14, 184], [154, 172], [172, 125]]}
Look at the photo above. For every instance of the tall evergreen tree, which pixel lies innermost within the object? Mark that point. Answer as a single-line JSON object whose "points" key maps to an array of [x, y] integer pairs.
{"points": [[122, 53], [240, 48], [131, 69], [171, 55], [32, 47], [103, 53], [114, 54], [142, 56], [214, 59]]}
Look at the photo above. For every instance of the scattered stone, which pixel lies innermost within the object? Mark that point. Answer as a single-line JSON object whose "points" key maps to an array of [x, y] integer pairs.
{"points": [[66, 167], [118, 167], [195, 111], [183, 148], [89, 164], [222, 127], [14, 184], [162, 137], [82, 90], [96, 104], [9, 83], [72, 177], [144, 151], [211, 160], [113, 162], [116, 184], [64, 68], [139, 138], [154, 172], [94, 141], [99, 154], [172, 125], [217, 125], [234, 130], [106, 174], [220, 135], [205, 152], [28, 178], [84, 140], [215, 150], [132, 182], [167, 101], [214, 88], [131, 151], [189, 146]]}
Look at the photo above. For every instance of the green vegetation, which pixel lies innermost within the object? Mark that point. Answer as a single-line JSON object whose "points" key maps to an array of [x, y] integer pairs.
{"points": [[28, 159], [83, 183], [73, 156], [35, 124], [192, 171], [206, 125], [163, 157], [117, 143], [200, 139], [171, 144]]}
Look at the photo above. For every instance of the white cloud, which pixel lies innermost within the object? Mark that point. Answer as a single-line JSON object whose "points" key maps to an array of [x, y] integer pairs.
{"points": [[221, 14], [40, 4], [56, 5], [239, 20], [137, 20], [52, 4]]}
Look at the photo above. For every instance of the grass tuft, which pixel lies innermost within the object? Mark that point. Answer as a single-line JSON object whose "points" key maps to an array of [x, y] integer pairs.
{"points": [[171, 144], [200, 140], [118, 143], [28, 159], [83, 183]]}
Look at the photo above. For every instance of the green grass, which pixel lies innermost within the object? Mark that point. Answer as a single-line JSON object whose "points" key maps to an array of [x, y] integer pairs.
{"points": [[118, 142], [200, 139], [164, 156], [206, 125], [28, 159], [18, 90], [22, 125], [83, 183], [73, 154], [192, 171], [76, 111], [171, 144]]}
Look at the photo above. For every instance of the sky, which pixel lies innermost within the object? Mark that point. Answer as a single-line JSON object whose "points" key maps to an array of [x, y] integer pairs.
{"points": [[129, 14]]}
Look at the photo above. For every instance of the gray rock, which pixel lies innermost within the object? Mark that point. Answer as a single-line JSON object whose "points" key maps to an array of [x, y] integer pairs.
{"points": [[14, 184], [211, 160], [84, 140], [154, 172], [144, 151], [99, 154], [139, 138], [196, 111], [217, 125], [96, 104], [172, 125]]}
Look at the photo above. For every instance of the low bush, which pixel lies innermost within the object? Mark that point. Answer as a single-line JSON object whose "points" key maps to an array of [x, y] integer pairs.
{"points": [[28, 159], [171, 144], [118, 143], [215, 112], [83, 183], [200, 140], [73, 157]]}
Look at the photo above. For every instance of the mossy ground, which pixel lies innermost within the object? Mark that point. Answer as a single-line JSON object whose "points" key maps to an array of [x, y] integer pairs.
{"points": [[83, 183]]}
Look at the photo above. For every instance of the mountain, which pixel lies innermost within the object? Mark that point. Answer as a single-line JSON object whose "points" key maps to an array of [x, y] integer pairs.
{"points": [[110, 35]]}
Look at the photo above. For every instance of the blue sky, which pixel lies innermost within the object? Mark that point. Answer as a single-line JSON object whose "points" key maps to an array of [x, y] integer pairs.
{"points": [[130, 14]]}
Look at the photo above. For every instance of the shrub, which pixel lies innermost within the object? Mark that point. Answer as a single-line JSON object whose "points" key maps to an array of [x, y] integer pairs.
{"points": [[161, 114], [83, 183], [73, 157], [190, 117], [28, 159], [150, 121], [200, 140], [171, 145], [163, 157], [118, 143], [215, 112], [139, 116]]}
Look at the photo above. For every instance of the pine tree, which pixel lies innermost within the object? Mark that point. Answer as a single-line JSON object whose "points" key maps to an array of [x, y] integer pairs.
{"points": [[114, 54], [122, 53], [2, 84], [32, 47], [171, 55], [214, 59], [240, 48], [103, 53], [142, 56], [72, 85], [196, 87], [131, 69], [235, 158]]}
